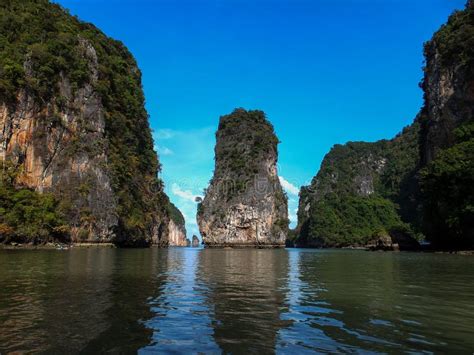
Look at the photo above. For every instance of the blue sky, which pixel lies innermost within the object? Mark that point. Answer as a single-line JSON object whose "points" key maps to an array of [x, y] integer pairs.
{"points": [[324, 71]]}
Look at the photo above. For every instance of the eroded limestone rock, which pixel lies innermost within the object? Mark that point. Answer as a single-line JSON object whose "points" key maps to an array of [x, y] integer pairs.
{"points": [[244, 204]]}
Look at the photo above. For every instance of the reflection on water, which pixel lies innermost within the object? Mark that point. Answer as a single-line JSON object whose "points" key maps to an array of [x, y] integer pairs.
{"points": [[90, 299], [234, 301], [181, 320], [247, 294], [133, 282]]}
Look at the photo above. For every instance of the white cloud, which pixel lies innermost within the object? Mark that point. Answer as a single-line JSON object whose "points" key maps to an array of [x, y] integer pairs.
{"points": [[293, 218], [165, 151], [288, 186], [185, 194], [293, 215], [164, 134]]}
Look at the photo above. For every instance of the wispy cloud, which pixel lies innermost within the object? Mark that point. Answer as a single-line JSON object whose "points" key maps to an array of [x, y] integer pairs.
{"points": [[164, 134], [293, 215], [288, 186], [164, 151], [185, 194]]}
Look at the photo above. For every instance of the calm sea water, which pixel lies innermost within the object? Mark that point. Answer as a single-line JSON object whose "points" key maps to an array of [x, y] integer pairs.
{"points": [[186, 300]]}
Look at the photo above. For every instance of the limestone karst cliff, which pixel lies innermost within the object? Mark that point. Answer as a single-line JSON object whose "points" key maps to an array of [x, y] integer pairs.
{"points": [[176, 234], [244, 204], [361, 189], [74, 131], [176, 227], [447, 134], [419, 183]]}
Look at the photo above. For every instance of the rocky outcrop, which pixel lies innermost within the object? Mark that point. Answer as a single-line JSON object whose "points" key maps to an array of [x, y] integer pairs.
{"points": [[73, 124], [176, 235], [175, 227], [195, 242], [244, 204], [394, 241]]}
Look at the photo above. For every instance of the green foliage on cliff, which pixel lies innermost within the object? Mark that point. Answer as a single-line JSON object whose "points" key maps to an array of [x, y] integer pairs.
{"points": [[398, 180], [448, 190], [447, 181], [343, 220], [362, 188], [26, 215], [455, 40], [39, 37], [175, 214], [39, 43], [249, 138]]}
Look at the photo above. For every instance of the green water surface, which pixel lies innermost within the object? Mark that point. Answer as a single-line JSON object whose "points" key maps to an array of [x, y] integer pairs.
{"points": [[185, 300]]}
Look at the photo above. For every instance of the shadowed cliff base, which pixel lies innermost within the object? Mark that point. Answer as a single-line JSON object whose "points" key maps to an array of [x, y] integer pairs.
{"points": [[244, 246]]}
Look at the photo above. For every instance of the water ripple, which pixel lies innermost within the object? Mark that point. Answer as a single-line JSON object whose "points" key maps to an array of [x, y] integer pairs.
{"points": [[235, 301]]}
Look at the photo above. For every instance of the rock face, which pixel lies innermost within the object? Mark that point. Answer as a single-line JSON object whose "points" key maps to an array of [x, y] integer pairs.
{"points": [[177, 234], [73, 124], [419, 182], [39, 140], [195, 242], [176, 228], [244, 204], [448, 83]]}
